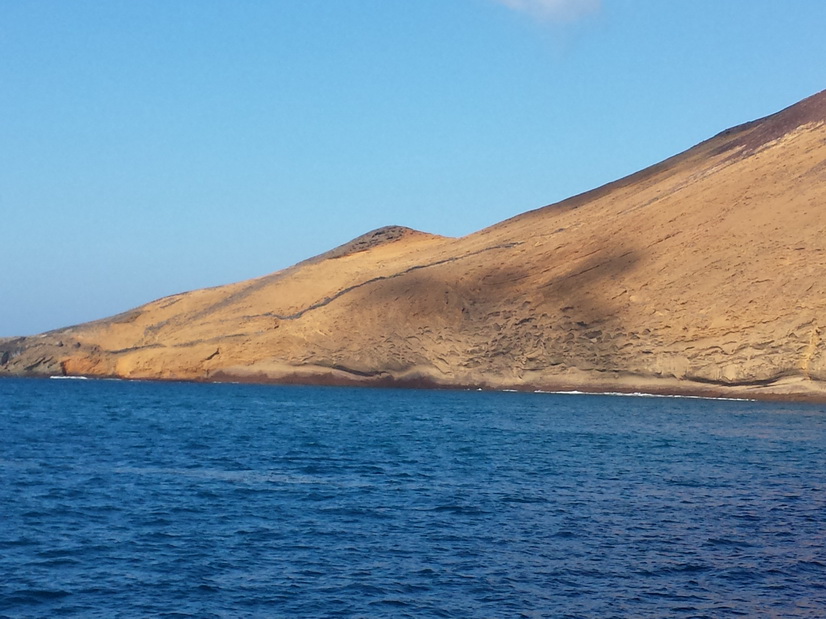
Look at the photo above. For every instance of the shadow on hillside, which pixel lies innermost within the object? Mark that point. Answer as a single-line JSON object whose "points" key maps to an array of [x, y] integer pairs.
{"points": [[568, 315], [519, 310]]}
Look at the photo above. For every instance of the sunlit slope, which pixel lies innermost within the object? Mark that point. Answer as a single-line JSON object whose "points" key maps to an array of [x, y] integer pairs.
{"points": [[703, 274]]}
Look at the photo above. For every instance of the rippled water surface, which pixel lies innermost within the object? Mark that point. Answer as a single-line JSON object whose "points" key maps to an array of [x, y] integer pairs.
{"points": [[141, 499]]}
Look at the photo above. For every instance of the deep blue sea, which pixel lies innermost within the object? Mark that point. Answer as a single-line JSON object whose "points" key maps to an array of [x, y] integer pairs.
{"points": [[135, 499]]}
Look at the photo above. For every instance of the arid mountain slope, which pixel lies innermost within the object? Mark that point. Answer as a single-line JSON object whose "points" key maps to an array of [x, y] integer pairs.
{"points": [[704, 274]]}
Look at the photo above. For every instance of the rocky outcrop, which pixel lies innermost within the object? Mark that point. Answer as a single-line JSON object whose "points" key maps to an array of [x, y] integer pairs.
{"points": [[705, 274]]}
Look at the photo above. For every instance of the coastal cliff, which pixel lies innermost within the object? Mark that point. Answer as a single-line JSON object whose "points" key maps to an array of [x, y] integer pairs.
{"points": [[704, 274]]}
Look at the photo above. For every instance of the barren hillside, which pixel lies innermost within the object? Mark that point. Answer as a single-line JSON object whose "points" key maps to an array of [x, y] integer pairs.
{"points": [[704, 274]]}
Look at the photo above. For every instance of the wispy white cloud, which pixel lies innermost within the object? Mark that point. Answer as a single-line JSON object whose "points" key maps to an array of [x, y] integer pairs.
{"points": [[554, 10]]}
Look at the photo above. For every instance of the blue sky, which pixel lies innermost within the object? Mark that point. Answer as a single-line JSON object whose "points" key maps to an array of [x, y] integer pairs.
{"points": [[147, 148]]}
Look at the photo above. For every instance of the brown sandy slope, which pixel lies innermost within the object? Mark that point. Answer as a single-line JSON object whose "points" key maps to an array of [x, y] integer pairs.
{"points": [[704, 274]]}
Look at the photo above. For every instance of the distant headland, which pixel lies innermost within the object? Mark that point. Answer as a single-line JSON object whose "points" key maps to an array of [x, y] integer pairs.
{"points": [[702, 275]]}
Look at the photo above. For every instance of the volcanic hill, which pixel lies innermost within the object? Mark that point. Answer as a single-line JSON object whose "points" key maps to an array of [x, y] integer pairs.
{"points": [[704, 274]]}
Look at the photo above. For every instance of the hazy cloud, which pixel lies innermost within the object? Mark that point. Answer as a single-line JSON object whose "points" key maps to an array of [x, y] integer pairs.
{"points": [[553, 10]]}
